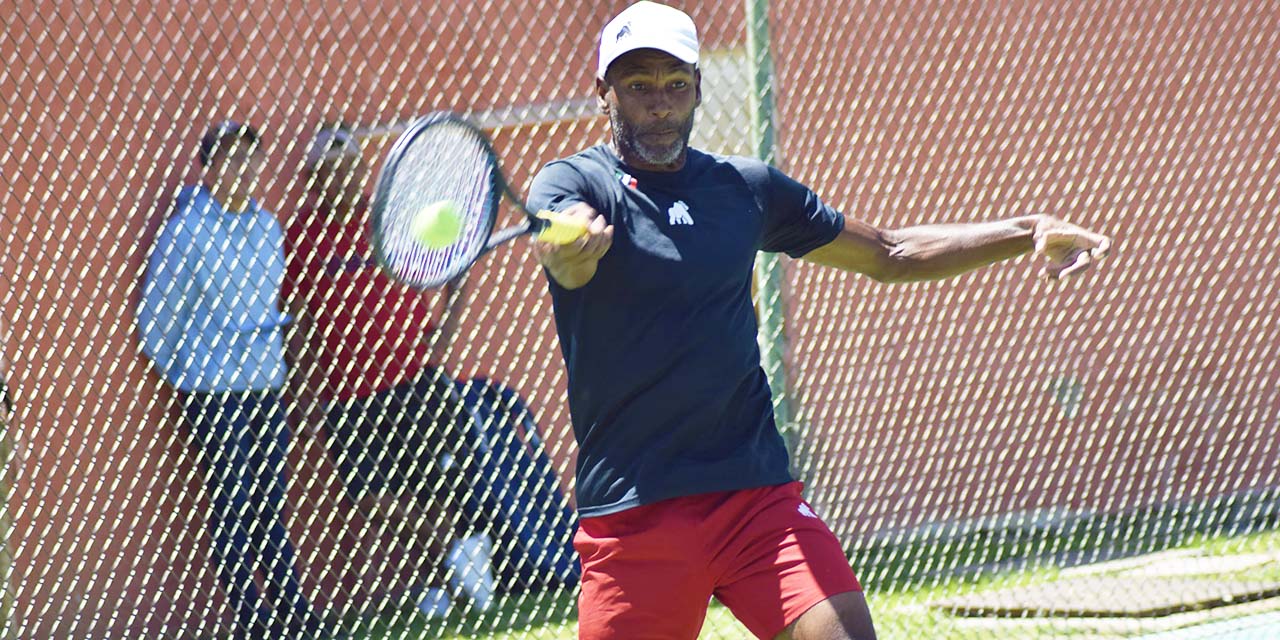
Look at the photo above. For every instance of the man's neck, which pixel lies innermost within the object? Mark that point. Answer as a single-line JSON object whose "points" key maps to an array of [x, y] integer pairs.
{"points": [[238, 205], [230, 201]]}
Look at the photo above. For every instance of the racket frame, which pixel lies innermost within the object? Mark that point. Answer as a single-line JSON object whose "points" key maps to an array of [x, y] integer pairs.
{"points": [[499, 187]]}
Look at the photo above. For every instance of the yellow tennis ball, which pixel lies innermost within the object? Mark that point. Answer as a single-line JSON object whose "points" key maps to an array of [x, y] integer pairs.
{"points": [[437, 225]]}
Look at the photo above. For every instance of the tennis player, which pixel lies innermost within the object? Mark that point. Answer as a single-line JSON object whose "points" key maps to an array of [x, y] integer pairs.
{"points": [[682, 477]]}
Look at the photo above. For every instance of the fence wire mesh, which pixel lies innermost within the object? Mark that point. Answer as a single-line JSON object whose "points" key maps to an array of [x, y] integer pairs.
{"points": [[959, 437]]}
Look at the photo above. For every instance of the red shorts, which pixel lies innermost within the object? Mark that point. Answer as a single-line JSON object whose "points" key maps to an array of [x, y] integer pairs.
{"points": [[650, 571]]}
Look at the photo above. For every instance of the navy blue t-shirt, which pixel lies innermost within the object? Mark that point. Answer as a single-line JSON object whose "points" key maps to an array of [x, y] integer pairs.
{"points": [[666, 392]]}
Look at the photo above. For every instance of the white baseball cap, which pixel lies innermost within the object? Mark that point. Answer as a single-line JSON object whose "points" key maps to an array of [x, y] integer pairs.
{"points": [[648, 25]]}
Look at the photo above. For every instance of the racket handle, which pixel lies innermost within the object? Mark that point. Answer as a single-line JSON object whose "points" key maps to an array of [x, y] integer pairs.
{"points": [[559, 228]]}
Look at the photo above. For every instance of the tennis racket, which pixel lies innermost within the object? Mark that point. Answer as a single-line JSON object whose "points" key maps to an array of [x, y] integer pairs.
{"points": [[444, 168]]}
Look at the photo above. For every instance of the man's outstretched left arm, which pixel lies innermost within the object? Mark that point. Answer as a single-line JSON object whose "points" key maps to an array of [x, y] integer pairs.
{"points": [[936, 252]]}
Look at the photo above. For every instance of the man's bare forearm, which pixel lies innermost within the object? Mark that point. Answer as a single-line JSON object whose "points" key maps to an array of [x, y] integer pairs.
{"points": [[936, 252], [572, 276], [926, 252]]}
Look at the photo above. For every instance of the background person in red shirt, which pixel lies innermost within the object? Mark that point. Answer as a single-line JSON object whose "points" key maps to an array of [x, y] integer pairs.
{"points": [[375, 347]]}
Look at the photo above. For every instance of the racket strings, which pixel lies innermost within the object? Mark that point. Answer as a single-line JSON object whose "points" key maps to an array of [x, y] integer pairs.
{"points": [[444, 162]]}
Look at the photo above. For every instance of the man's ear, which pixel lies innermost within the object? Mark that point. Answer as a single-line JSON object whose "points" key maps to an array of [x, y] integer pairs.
{"points": [[697, 83], [602, 89]]}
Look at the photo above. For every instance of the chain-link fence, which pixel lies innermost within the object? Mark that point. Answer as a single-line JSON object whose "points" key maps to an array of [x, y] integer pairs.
{"points": [[946, 431]]}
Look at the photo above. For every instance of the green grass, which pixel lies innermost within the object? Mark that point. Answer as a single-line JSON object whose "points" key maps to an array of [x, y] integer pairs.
{"points": [[905, 612], [1258, 543], [901, 607], [534, 615]]}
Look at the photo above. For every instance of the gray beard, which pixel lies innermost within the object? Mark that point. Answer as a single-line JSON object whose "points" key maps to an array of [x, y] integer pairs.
{"points": [[667, 155], [628, 141]]}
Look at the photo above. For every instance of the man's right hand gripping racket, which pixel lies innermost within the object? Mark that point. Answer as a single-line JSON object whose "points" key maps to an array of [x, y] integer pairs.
{"points": [[436, 203]]}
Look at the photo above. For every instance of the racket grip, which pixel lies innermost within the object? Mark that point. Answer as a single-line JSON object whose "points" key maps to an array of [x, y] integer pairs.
{"points": [[559, 228]]}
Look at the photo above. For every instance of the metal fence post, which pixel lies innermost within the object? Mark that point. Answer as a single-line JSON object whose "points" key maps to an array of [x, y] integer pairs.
{"points": [[769, 272]]}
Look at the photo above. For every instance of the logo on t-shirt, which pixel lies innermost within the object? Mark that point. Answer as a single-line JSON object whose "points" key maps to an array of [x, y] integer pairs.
{"points": [[806, 511], [679, 214]]}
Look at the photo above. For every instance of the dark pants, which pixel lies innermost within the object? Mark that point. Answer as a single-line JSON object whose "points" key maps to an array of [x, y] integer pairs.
{"points": [[409, 442], [243, 440]]}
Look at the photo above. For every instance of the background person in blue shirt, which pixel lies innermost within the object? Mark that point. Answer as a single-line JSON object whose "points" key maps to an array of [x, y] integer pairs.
{"points": [[682, 480], [210, 321]]}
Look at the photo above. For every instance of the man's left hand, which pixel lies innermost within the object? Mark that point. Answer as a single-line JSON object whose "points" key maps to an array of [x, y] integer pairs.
{"points": [[1068, 248]]}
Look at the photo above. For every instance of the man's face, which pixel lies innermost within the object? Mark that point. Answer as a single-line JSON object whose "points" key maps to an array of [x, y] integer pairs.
{"points": [[651, 97], [236, 167], [341, 174]]}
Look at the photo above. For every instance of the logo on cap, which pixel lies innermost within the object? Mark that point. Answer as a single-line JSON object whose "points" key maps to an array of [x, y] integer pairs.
{"points": [[648, 25]]}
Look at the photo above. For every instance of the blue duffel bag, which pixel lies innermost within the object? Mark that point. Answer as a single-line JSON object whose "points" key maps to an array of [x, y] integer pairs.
{"points": [[515, 483]]}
